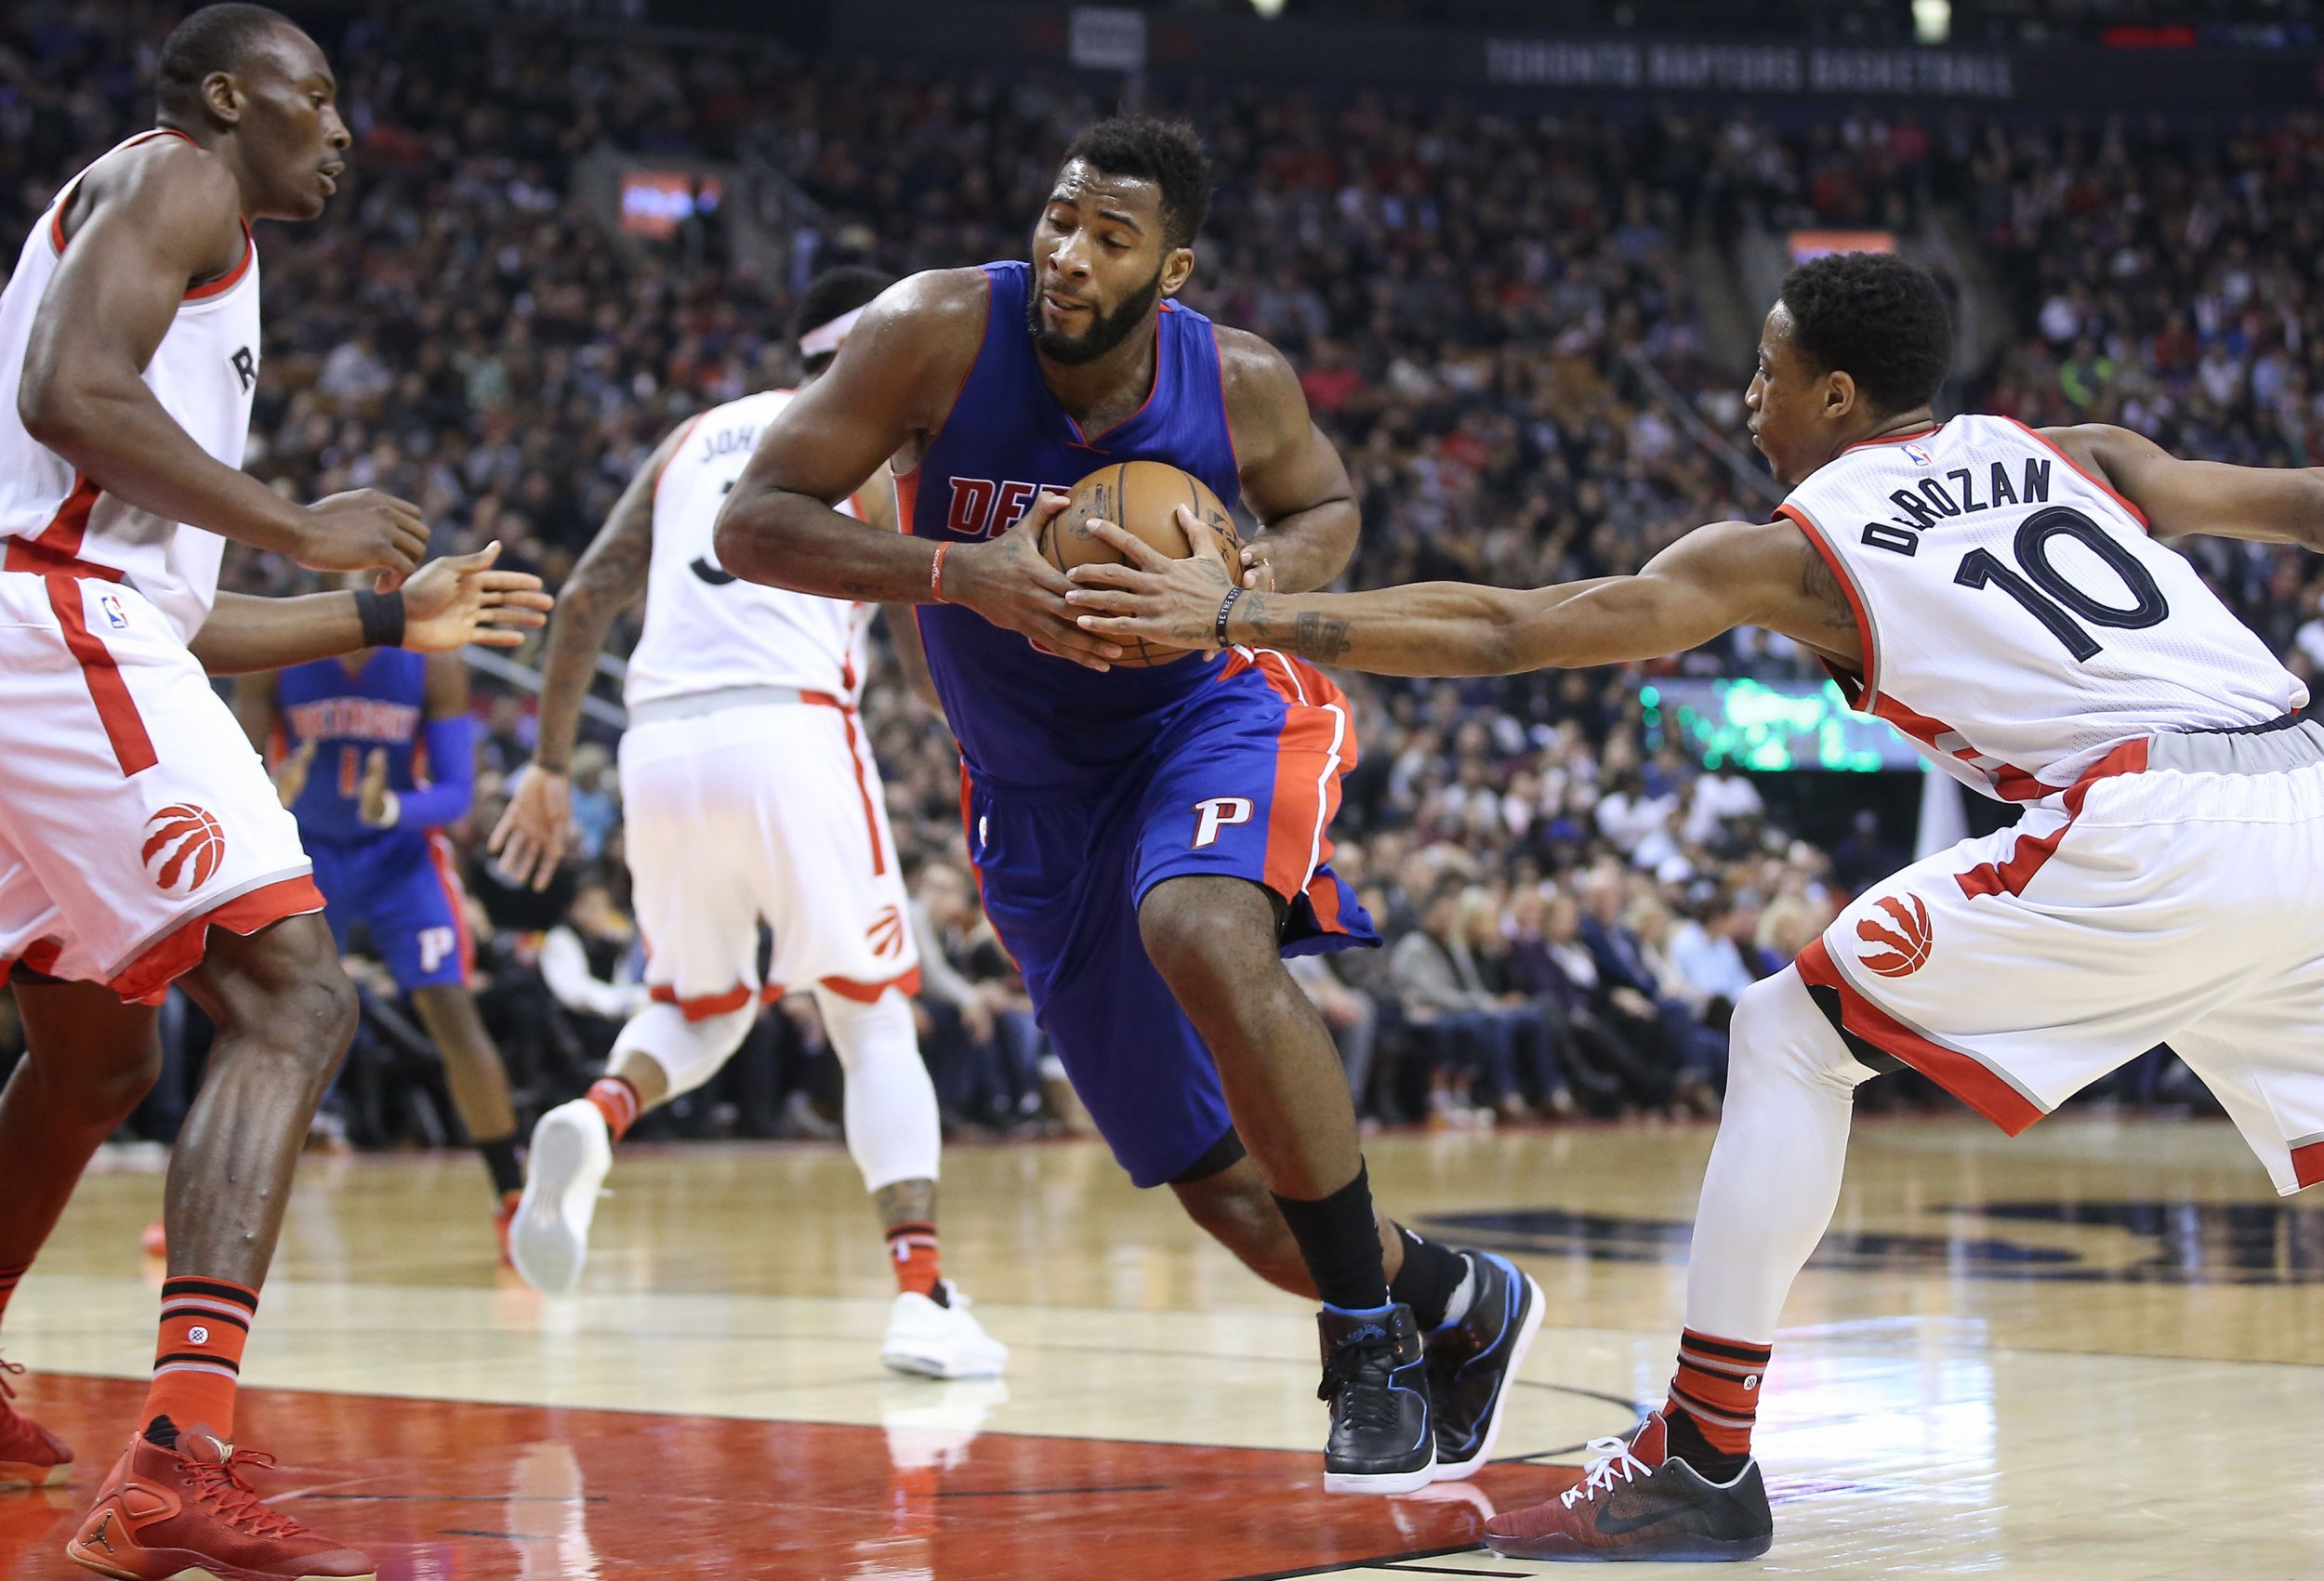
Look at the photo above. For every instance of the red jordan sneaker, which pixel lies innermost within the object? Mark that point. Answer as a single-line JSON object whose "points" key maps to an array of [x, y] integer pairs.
{"points": [[31, 1457], [185, 1512], [1634, 1502]]}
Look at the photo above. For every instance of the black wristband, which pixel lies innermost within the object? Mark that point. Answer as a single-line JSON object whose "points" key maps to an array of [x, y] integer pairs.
{"points": [[382, 617], [1226, 607]]}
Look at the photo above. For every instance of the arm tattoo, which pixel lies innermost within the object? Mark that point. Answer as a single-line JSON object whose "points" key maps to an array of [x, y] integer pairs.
{"points": [[1313, 636], [1819, 583], [612, 572]]}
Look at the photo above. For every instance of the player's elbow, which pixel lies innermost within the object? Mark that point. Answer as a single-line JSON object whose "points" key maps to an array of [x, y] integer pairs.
{"points": [[53, 412], [748, 534]]}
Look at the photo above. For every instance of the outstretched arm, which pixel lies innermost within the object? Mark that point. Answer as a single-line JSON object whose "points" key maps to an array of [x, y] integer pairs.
{"points": [[2268, 505], [448, 604], [1717, 577], [1292, 477]]}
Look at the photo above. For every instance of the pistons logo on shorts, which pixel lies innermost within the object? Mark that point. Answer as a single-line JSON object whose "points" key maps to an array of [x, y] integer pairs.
{"points": [[886, 933], [184, 845], [1900, 945]]}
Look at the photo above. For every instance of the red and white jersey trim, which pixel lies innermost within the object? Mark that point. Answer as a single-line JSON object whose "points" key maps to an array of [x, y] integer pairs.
{"points": [[204, 372], [2018, 620]]}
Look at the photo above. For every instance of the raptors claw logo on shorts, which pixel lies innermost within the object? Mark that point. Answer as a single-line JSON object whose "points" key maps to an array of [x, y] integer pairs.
{"points": [[886, 933], [1908, 942], [184, 846]]}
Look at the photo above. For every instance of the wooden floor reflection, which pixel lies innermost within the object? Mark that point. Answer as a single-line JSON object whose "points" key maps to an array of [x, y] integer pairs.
{"points": [[2089, 1352]]}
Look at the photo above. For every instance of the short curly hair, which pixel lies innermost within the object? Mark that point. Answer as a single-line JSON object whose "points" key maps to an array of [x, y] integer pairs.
{"points": [[1167, 153], [1876, 318]]}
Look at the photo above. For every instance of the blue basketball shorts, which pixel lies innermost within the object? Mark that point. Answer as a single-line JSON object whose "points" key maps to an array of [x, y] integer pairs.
{"points": [[1242, 781], [400, 886]]}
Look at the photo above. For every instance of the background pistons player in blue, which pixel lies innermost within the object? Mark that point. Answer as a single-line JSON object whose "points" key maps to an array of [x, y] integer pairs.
{"points": [[377, 752], [1148, 840]]}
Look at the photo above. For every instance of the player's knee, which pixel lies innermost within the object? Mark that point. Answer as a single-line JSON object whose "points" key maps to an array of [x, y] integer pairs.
{"points": [[1780, 1033], [689, 1052], [1198, 926], [286, 987]]}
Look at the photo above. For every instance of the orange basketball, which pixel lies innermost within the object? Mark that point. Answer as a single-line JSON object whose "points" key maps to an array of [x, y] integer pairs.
{"points": [[1140, 497]]}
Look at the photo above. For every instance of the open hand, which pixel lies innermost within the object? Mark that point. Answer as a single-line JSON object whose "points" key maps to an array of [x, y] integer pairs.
{"points": [[290, 775], [1174, 603], [1008, 583], [375, 805], [451, 603], [530, 837]]}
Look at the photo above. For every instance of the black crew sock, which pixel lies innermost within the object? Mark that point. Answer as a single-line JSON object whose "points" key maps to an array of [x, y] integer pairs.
{"points": [[1683, 1440], [1339, 1242], [500, 1159], [1431, 1274]]}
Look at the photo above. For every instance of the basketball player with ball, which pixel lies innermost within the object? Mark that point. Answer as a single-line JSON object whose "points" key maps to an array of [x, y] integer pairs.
{"points": [[1151, 835], [2003, 597]]}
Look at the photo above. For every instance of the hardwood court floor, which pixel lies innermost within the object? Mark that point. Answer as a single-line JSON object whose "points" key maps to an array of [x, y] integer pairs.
{"points": [[2092, 1352]]}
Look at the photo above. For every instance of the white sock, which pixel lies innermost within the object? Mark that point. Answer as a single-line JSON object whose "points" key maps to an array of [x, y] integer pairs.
{"points": [[890, 1110], [1774, 1177]]}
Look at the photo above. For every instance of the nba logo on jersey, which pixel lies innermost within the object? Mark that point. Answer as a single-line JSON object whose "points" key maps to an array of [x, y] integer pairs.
{"points": [[1921, 454], [110, 604]]}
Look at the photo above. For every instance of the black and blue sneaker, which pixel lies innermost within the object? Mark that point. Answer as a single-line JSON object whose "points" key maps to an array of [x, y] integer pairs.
{"points": [[1471, 1362], [1375, 1381]]}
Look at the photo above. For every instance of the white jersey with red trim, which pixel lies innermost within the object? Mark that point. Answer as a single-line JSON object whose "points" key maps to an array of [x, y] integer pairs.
{"points": [[204, 372], [2018, 622], [707, 630]]}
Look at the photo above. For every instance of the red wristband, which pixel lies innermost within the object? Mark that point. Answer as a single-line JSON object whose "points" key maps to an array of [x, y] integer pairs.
{"points": [[936, 573]]}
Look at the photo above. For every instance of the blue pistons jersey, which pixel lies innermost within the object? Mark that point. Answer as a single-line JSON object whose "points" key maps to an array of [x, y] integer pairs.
{"points": [[1082, 791], [1023, 716], [399, 884], [349, 715]]}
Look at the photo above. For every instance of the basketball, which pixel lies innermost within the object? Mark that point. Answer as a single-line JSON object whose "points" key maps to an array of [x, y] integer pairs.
{"points": [[1140, 497]]}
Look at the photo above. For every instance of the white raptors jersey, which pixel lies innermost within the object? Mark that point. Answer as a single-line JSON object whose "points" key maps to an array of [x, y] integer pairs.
{"points": [[202, 373], [707, 630], [2018, 620]]}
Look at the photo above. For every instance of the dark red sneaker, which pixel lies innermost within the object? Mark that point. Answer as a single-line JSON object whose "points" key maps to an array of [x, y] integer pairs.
{"points": [[1633, 1502], [31, 1457], [165, 1513]]}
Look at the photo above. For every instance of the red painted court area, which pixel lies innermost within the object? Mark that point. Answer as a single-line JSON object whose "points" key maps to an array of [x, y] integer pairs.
{"points": [[447, 1491]]}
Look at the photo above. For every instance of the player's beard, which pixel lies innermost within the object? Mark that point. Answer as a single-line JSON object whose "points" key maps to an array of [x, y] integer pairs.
{"points": [[1105, 332]]}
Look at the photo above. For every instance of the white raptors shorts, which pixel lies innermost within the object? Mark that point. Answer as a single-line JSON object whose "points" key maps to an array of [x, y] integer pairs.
{"points": [[2175, 895], [134, 815], [766, 811]]}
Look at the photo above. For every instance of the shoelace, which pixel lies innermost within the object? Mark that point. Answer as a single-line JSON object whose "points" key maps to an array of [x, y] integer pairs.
{"points": [[16, 1367], [219, 1484], [1367, 1403], [1607, 1456]]}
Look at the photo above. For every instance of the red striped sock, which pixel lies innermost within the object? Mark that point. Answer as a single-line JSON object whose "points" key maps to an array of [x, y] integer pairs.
{"points": [[917, 1266], [206, 1323], [1716, 1387], [619, 1101], [9, 1278]]}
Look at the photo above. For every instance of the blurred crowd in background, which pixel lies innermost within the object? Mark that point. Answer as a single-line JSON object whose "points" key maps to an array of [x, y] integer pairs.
{"points": [[1490, 305]]}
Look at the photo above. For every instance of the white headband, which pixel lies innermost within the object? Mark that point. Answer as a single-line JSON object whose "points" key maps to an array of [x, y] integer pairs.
{"points": [[826, 337]]}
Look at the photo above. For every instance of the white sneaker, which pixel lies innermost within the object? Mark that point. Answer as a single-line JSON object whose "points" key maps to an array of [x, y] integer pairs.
{"points": [[550, 1241], [940, 1342]]}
